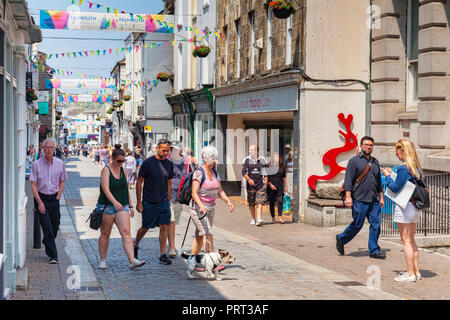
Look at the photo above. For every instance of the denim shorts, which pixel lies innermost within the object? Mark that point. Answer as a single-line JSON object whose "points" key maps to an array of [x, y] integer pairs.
{"points": [[110, 209]]}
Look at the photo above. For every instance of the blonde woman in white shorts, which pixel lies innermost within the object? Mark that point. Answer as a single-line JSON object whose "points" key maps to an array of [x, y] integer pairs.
{"points": [[407, 218]]}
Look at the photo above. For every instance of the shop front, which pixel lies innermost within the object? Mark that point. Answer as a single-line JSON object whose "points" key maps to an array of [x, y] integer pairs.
{"points": [[263, 117]]}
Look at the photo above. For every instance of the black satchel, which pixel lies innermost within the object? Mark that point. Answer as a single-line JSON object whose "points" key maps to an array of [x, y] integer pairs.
{"points": [[96, 218], [421, 195]]}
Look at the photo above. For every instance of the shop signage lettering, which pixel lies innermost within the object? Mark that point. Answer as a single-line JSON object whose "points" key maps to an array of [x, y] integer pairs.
{"points": [[276, 99]]}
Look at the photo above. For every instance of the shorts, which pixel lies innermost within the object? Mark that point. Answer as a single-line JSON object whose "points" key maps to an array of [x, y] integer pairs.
{"points": [[155, 214], [203, 226], [257, 196], [105, 162], [408, 215], [110, 209], [139, 162], [176, 209]]}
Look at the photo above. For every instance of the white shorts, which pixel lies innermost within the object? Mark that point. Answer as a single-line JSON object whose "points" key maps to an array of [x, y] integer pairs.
{"points": [[408, 215], [175, 212]]}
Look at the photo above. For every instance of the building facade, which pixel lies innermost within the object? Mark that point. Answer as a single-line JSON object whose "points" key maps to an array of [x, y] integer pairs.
{"points": [[410, 79], [17, 30], [281, 84], [191, 101]]}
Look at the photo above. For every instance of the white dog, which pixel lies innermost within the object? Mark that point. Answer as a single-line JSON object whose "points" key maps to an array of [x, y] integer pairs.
{"points": [[210, 261]]}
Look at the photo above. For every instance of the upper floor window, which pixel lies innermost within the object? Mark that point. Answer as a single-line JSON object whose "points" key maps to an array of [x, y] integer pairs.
{"points": [[412, 78]]}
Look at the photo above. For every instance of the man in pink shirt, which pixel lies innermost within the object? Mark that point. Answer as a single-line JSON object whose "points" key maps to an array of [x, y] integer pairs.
{"points": [[48, 176]]}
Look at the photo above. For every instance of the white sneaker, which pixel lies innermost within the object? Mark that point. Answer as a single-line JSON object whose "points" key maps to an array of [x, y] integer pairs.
{"points": [[259, 222], [418, 276], [102, 264], [252, 222], [404, 277], [136, 264], [172, 253]]}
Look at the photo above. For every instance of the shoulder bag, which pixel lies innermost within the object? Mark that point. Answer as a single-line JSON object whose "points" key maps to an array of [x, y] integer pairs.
{"points": [[358, 180]]}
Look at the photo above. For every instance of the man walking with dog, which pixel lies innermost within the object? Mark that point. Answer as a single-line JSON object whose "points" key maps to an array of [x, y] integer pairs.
{"points": [[156, 173], [364, 194]]}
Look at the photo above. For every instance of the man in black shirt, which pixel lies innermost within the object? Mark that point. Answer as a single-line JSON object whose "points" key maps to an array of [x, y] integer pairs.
{"points": [[366, 200], [156, 173], [253, 170]]}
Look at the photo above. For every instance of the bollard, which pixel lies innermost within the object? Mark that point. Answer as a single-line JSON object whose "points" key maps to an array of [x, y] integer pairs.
{"points": [[36, 231]]}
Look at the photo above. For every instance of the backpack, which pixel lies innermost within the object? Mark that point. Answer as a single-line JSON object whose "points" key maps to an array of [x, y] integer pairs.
{"points": [[185, 187]]}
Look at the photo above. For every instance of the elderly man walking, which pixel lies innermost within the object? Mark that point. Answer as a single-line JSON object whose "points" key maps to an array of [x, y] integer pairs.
{"points": [[48, 176]]}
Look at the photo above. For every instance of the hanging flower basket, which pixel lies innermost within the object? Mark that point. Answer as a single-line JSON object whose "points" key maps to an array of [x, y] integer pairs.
{"points": [[34, 97], [36, 111], [127, 97], [282, 9], [163, 76], [58, 117], [98, 118], [201, 51], [118, 104], [110, 110]]}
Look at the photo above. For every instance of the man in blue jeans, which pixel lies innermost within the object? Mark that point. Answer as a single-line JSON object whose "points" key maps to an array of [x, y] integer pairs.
{"points": [[366, 200]]}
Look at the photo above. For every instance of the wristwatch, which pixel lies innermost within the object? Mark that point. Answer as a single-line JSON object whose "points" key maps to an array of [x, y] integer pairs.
{"points": [[131, 207]]}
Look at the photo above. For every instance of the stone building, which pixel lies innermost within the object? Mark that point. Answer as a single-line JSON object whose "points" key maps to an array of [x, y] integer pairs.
{"points": [[411, 79], [282, 83]]}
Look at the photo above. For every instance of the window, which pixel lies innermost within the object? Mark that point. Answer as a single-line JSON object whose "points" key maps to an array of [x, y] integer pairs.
{"points": [[412, 56], [289, 40], [252, 46], [269, 39], [238, 49]]}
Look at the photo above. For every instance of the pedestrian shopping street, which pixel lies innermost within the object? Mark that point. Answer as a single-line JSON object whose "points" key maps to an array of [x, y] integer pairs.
{"points": [[274, 262]]}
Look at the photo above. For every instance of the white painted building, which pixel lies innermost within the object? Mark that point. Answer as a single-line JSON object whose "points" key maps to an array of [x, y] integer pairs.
{"points": [[17, 30]]}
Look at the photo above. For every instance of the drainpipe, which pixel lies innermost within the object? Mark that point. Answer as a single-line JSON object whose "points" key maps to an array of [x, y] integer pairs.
{"points": [[369, 87]]}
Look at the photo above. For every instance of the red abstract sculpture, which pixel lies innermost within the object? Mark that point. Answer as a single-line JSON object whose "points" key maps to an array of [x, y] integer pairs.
{"points": [[329, 158]]}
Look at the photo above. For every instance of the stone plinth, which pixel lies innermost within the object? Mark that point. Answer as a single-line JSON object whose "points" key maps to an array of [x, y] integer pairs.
{"points": [[327, 213]]}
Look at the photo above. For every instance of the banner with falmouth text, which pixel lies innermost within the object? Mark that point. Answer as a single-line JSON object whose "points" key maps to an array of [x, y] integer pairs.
{"points": [[98, 21], [78, 84]]}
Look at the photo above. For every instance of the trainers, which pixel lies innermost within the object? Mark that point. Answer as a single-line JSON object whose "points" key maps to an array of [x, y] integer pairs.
{"points": [[404, 277], [220, 268], [164, 259], [102, 264], [418, 276], [259, 222], [136, 249], [172, 253], [136, 264], [53, 261], [252, 222]]}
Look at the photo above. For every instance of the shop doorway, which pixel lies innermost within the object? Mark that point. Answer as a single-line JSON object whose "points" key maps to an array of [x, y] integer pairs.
{"points": [[278, 137]]}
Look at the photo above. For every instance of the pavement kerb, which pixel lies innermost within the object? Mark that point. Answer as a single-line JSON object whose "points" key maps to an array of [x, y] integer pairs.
{"points": [[77, 256], [325, 274]]}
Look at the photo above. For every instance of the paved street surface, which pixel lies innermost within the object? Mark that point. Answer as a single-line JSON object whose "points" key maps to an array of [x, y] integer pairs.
{"points": [[290, 261]]}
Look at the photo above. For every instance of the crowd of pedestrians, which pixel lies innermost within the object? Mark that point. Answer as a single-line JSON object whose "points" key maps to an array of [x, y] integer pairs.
{"points": [[158, 179]]}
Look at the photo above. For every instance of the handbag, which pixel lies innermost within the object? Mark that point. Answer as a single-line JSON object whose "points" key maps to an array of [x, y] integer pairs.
{"points": [[421, 195], [357, 182], [287, 209], [95, 218]]}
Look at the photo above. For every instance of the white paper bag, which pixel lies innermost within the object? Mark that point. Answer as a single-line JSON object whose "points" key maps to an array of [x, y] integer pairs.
{"points": [[401, 198]]}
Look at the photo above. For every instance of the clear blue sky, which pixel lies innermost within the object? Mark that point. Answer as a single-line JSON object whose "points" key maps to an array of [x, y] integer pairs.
{"points": [[102, 65]]}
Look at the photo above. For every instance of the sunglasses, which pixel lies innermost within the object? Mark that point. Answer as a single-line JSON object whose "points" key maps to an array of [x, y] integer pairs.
{"points": [[120, 161]]}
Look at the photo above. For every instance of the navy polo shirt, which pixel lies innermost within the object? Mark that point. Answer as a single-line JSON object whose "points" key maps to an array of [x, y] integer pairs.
{"points": [[156, 174], [370, 188]]}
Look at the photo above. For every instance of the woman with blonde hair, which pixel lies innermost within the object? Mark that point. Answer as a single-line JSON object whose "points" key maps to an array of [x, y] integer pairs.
{"points": [[407, 218]]}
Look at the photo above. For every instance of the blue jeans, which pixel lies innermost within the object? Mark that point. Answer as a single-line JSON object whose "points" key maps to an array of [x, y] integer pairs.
{"points": [[360, 211]]}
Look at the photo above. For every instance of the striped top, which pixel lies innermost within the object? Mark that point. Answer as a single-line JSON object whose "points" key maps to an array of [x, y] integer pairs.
{"points": [[208, 191]]}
